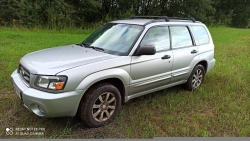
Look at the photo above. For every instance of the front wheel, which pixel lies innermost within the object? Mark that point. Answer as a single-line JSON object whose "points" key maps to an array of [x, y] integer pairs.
{"points": [[100, 105], [196, 78]]}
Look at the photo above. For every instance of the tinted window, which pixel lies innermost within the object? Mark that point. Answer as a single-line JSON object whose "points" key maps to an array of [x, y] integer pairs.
{"points": [[158, 37], [200, 35], [180, 37]]}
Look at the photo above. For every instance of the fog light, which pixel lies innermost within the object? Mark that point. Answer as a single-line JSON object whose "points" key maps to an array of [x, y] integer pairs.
{"points": [[41, 109], [37, 109]]}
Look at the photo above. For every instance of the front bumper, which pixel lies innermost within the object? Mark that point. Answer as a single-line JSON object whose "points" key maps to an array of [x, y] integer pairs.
{"points": [[47, 104]]}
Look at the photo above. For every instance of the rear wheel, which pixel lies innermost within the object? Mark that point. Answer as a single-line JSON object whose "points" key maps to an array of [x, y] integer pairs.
{"points": [[196, 78], [100, 105]]}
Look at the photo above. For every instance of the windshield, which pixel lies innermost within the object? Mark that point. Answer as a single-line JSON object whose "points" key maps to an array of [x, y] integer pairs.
{"points": [[114, 38]]}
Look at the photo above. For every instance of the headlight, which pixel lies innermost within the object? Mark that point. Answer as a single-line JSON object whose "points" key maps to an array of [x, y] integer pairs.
{"points": [[55, 83]]}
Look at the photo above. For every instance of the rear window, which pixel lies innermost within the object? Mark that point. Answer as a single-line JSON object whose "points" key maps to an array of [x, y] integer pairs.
{"points": [[200, 35]]}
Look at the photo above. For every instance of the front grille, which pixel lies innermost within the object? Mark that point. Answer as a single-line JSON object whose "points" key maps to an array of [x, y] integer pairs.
{"points": [[24, 73]]}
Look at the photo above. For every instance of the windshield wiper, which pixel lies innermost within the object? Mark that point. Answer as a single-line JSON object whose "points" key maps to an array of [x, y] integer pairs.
{"points": [[88, 46], [82, 44], [96, 48]]}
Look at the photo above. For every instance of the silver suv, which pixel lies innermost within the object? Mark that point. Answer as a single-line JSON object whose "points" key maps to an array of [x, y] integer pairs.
{"points": [[122, 60]]}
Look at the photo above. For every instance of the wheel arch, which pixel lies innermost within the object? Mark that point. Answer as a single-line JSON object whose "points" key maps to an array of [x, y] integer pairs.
{"points": [[204, 64], [188, 84], [117, 77], [114, 81]]}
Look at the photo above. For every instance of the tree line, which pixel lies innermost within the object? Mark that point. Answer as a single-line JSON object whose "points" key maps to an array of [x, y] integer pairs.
{"points": [[89, 13]]}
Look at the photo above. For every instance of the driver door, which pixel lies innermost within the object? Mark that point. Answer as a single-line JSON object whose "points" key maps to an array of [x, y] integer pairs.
{"points": [[152, 71]]}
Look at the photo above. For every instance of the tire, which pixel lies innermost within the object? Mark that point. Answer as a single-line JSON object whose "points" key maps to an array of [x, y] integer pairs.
{"points": [[100, 105], [196, 78]]}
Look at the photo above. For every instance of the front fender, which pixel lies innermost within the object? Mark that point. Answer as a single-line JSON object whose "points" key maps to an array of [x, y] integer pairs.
{"points": [[105, 74]]}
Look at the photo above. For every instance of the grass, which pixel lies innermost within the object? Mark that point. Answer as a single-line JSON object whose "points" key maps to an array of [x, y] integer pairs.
{"points": [[221, 107]]}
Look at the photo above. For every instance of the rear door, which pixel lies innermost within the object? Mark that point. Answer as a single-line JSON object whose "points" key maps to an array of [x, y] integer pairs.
{"points": [[184, 52]]}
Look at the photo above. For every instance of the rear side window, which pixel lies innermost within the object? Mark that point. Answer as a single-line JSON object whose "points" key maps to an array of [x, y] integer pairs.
{"points": [[180, 37], [200, 35]]}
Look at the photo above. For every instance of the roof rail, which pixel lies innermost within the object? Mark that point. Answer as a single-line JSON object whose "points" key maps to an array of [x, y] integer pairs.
{"points": [[150, 17], [180, 18], [166, 18]]}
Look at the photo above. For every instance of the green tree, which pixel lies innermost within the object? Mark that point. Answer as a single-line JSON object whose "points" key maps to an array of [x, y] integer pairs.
{"points": [[81, 13], [241, 14], [9, 10], [232, 12]]}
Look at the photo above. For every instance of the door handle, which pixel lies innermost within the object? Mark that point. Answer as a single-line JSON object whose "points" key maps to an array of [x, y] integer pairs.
{"points": [[194, 51], [166, 57]]}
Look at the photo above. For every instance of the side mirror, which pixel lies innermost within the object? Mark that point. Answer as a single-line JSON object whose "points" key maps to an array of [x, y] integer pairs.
{"points": [[145, 50]]}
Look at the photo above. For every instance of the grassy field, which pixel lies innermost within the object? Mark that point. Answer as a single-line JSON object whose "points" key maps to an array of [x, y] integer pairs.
{"points": [[221, 107]]}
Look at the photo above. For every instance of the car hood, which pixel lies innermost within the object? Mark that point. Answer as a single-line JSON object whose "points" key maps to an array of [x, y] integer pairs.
{"points": [[57, 59]]}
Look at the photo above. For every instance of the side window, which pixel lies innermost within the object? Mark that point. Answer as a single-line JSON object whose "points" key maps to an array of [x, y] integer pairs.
{"points": [[200, 35], [158, 37], [180, 37]]}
